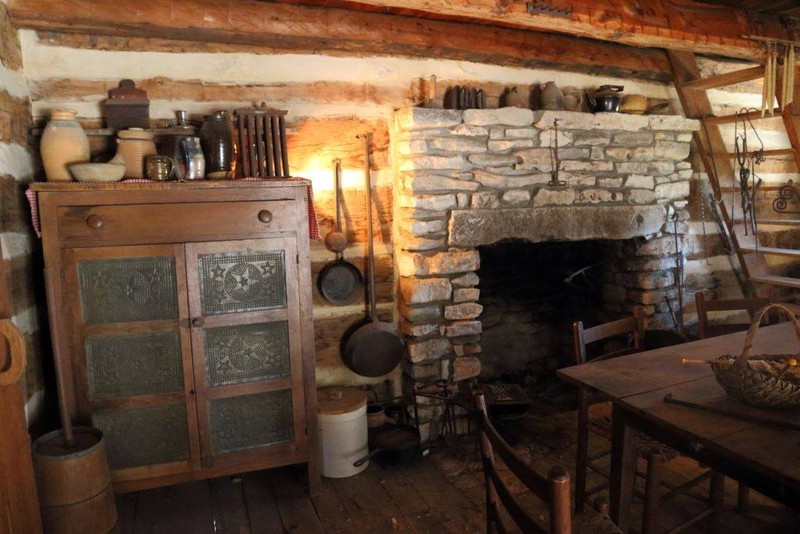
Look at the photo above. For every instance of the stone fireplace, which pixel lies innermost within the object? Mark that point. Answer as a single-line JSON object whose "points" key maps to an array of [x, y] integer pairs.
{"points": [[469, 179]]}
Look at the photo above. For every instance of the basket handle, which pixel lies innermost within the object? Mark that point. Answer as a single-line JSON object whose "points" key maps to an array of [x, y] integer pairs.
{"points": [[741, 360]]}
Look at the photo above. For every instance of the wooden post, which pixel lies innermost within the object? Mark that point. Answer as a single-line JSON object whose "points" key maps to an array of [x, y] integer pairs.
{"points": [[19, 504]]}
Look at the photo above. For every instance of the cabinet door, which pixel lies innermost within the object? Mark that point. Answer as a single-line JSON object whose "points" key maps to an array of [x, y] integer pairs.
{"points": [[132, 360], [244, 304]]}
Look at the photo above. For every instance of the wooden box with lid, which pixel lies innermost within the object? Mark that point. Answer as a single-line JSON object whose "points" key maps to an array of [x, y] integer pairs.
{"points": [[187, 323]]}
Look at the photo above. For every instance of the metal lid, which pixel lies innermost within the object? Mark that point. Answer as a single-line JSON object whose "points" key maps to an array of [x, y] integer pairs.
{"points": [[337, 401]]}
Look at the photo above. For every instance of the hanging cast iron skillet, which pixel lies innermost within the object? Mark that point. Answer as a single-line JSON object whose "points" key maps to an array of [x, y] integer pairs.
{"points": [[339, 282], [377, 347]]}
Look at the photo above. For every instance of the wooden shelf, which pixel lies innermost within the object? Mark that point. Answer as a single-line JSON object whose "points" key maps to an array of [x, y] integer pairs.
{"points": [[774, 280], [773, 251], [772, 222], [107, 132]]}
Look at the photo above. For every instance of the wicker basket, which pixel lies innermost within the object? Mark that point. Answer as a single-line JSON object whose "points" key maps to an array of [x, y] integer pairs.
{"points": [[767, 380]]}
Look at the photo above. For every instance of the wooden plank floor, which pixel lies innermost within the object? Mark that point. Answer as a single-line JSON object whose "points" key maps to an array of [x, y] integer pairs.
{"points": [[416, 498], [441, 493]]}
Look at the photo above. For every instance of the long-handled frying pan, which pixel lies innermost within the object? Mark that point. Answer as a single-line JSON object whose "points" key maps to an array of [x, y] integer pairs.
{"points": [[340, 281], [377, 347]]}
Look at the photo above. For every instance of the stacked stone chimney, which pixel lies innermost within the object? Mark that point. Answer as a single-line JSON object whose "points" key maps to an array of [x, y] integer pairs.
{"points": [[475, 177]]}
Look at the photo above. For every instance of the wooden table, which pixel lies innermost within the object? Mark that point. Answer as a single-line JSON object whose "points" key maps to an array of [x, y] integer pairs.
{"points": [[764, 457]]}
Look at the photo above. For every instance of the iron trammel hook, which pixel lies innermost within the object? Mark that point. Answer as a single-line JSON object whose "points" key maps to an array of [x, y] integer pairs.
{"points": [[554, 181]]}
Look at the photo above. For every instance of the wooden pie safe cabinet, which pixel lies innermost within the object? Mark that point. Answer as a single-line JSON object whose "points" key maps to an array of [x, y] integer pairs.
{"points": [[185, 316]]}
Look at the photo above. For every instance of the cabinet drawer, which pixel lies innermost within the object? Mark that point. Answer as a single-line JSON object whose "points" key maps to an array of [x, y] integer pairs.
{"points": [[166, 223]]}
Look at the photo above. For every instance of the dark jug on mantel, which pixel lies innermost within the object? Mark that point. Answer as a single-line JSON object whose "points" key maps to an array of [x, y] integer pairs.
{"points": [[216, 138]]}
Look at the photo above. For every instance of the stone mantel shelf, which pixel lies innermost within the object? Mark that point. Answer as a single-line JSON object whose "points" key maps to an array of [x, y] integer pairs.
{"points": [[472, 228], [422, 118]]}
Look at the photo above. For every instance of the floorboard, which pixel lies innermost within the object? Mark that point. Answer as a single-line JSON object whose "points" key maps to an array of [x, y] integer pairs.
{"points": [[180, 509], [294, 504], [262, 510], [230, 509], [369, 504], [330, 509], [447, 505]]}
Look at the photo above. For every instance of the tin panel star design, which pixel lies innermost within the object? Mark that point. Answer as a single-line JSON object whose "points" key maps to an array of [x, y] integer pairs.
{"points": [[124, 290], [242, 281], [245, 353]]}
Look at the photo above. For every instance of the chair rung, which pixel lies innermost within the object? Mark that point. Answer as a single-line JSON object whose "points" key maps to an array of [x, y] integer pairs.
{"points": [[681, 489], [595, 489], [600, 471], [598, 455], [688, 522]]}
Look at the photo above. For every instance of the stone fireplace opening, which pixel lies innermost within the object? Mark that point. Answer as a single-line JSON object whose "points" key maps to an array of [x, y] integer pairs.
{"points": [[531, 294]]}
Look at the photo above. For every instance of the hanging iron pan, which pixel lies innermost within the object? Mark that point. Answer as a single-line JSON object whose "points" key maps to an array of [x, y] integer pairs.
{"points": [[377, 347], [340, 282]]}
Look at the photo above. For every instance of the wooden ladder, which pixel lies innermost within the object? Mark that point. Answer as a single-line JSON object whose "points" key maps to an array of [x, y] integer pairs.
{"points": [[757, 280]]}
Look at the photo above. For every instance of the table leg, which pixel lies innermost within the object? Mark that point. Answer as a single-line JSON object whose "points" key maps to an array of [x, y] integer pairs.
{"points": [[623, 468]]}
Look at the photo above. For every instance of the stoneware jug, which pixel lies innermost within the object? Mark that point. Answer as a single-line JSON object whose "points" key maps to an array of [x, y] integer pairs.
{"points": [[216, 139], [63, 143], [513, 98], [135, 144], [551, 98]]}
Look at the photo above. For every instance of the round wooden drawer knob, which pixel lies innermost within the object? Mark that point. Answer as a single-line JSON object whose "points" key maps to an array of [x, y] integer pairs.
{"points": [[197, 322], [95, 222], [265, 216]]}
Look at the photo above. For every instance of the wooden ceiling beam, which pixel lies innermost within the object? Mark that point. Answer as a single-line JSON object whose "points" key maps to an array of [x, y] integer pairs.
{"points": [[330, 30], [682, 25]]}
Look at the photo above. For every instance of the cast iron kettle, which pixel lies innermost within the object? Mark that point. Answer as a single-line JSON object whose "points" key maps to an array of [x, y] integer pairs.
{"points": [[606, 98]]}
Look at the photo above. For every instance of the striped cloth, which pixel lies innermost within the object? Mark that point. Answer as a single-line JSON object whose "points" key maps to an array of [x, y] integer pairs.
{"points": [[313, 224]]}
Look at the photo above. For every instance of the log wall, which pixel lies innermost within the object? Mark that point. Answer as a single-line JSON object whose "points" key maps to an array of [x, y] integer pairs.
{"points": [[331, 98], [17, 168]]}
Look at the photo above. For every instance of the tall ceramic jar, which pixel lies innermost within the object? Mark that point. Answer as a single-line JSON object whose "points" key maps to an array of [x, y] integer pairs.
{"points": [[63, 143], [216, 139], [134, 145]]}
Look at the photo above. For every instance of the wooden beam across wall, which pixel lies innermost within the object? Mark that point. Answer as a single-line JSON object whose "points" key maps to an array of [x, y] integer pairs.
{"points": [[683, 25], [273, 27]]}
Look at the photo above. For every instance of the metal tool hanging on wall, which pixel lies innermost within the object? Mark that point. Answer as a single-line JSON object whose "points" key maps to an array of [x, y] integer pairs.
{"points": [[554, 181], [748, 181], [340, 282]]}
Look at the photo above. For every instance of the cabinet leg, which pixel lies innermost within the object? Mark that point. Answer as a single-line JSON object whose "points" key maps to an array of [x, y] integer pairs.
{"points": [[314, 480]]}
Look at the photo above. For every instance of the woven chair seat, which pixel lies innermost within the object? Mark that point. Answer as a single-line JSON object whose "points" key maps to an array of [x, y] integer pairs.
{"points": [[644, 445], [592, 522]]}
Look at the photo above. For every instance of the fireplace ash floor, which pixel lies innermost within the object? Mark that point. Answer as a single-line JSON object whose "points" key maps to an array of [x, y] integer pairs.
{"points": [[440, 493]]}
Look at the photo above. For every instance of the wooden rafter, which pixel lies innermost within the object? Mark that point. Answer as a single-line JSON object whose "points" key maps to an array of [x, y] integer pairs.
{"points": [[683, 25], [315, 29]]}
